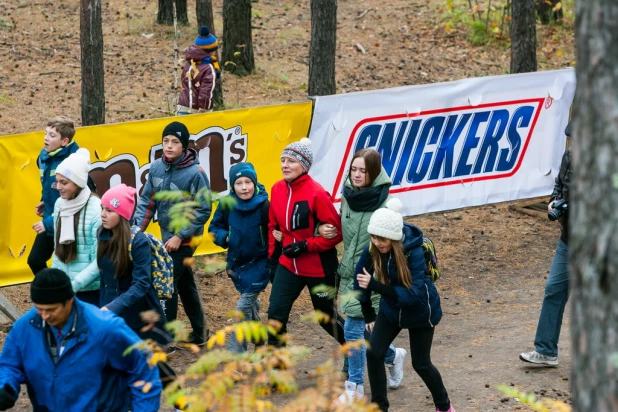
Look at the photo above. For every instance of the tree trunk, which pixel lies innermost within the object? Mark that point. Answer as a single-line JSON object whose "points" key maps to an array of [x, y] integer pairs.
{"points": [[523, 36], [91, 42], [593, 238], [165, 14], [323, 47], [237, 37], [205, 17]]}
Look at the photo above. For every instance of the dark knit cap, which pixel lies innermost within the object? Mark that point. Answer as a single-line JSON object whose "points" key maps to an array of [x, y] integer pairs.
{"points": [[206, 40], [178, 130], [51, 286], [242, 169]]}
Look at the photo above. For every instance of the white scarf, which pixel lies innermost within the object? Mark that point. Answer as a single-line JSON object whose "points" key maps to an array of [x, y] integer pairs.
{"points": [[68, 209]]}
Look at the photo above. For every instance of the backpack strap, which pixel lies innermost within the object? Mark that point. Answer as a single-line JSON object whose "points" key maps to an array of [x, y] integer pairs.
{"points": [[134, 230], [265, 218]]}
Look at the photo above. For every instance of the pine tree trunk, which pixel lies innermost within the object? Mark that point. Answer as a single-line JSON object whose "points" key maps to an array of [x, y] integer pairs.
{"points": [[165, 15], [237, 37], [323, 47], [593, 241], [523, 36], [205, 17], [91, 42]]}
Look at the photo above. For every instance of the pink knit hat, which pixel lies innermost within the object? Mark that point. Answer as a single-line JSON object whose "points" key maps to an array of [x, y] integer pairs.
{"points": [[120, 199]]}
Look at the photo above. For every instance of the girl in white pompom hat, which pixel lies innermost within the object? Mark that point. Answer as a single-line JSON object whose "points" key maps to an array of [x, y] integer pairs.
{"points": [[409, 301]]}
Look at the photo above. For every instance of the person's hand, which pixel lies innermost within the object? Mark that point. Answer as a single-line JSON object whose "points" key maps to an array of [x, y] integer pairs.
{"points": [[8, 397], [294, 250], [550, 206], [363, 279], [173, 244], [39, 209], [327, 231], [369, 327], [104, 309], [278, 235], [39, 227]]}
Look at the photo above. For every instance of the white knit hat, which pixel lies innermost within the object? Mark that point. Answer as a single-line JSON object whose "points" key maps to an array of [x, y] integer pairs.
{"points": [[76, 167], [387, 222]]}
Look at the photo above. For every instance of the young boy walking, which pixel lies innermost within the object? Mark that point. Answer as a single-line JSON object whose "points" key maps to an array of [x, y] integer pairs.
{"points": [[179, 169], [244, 231], [58, 144]]}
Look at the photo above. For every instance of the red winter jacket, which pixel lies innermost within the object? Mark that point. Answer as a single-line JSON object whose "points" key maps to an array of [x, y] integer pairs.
{"points": [[202, 86], [295, 209]]}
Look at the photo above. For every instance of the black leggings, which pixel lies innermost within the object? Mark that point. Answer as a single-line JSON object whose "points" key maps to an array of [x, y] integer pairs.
{"points": [[287, 286], [384, 332], [42, 250]]}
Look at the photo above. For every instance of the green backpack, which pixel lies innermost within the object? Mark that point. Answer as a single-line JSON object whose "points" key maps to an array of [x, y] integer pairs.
{"points": [[162, 264], [431, 258]]}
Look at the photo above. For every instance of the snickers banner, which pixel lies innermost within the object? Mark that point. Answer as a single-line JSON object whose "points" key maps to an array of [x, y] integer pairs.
{"points": [[450, 145]]}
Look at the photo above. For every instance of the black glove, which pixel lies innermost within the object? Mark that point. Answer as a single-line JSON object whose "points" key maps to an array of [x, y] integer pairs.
{"points": [[294, 250], [8, 397]]}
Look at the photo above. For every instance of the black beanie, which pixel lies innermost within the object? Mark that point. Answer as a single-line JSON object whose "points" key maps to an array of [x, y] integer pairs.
{"points": [[180, 131], [51, 286]]}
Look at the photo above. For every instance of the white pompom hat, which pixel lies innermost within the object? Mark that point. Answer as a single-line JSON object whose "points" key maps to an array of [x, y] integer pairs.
{"points": [[387, 222]]}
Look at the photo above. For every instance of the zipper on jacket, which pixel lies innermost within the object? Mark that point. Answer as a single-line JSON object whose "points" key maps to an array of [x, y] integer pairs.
{"points": [[287, 221], [428, 305]]}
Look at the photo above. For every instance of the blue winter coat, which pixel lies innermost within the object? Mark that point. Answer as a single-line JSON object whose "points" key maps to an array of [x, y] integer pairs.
{"points": [[92, 373], [186, 175], [131, 293], [48, 162], [246, 240], [414, 307]]}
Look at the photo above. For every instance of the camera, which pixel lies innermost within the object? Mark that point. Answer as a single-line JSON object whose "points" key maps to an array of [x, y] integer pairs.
{"points": [[560, 208]]}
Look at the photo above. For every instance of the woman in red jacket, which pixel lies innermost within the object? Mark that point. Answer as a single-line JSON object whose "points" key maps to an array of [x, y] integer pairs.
{"points": [[298, 203]]}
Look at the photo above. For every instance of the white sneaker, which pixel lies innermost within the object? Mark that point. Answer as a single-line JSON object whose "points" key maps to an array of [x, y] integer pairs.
{"points": [[539, 359], [395, 370], [352, 393]]}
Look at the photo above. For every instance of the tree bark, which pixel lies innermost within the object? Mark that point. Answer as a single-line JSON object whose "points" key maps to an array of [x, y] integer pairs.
{"points": [[323, 47], [593, 238], [237, 37], [523, 36], [165, 15], [205, 17], [91, 42]]}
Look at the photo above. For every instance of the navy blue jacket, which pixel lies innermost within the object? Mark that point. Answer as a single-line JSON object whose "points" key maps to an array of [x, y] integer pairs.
{"points": [[131, 293], [92, 374], [414, 307], [247, 241], [48, 162]]}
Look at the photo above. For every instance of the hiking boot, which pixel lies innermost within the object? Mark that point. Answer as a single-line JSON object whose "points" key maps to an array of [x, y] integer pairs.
{"points": [[198, 339], [538, 358], [353, 392], [395, 370], [450, 409]]}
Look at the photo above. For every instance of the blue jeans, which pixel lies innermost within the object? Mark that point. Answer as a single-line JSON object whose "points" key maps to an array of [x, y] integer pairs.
{"points": [[556, 296], [354, 329], [249, 305]]}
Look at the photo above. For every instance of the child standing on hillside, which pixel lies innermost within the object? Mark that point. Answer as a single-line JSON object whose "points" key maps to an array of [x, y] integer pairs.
{"points": [[244, 231], [409, 301], [179, 169], [57, 146]]}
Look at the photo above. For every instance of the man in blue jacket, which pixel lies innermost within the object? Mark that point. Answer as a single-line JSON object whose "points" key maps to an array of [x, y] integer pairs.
{"points": [[70, 356]]}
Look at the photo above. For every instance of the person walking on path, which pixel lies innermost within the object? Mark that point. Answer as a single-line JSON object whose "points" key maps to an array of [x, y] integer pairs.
{"points": [[409, 301]]}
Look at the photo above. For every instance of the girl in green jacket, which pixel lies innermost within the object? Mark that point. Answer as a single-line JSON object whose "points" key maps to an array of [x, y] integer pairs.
{"points": [[365, 190]]}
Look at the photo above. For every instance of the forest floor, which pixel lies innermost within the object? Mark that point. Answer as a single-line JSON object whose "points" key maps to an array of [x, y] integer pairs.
{"points": [[494, 260]]}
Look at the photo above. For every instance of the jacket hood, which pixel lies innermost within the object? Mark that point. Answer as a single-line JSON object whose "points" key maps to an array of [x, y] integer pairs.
{"points": [[259, 197], [188, 158], [381, 179], [412, 236], [195, 54], [60, 152]]}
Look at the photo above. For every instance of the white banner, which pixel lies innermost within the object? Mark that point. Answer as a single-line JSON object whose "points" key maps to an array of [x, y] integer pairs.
{"points": [[450, 145]]}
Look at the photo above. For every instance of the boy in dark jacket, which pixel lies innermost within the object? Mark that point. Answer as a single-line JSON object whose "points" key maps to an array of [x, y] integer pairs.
{"points": [[178, 169], [243, 232], [57, 146], [199, 75]]}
